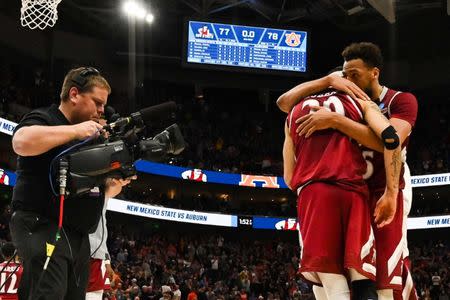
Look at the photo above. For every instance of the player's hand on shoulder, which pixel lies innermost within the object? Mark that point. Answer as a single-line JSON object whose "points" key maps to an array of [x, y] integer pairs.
{"points": [[319, 118], [86, 129], [344, 85], [385, 209]]}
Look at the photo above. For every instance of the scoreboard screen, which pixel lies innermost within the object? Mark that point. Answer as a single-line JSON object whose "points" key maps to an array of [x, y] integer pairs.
{"points": [[247, 46]]}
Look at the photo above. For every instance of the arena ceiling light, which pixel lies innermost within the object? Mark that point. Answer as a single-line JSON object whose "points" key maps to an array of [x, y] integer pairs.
{"points": [[149, 18], [137, 10], [131, 8], [141, 14]]}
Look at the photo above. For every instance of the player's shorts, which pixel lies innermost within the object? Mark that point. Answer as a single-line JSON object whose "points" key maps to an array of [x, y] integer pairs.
{"points": [[409, 291], [97, 276], [335, 231], [9, 297], [389, 243]]}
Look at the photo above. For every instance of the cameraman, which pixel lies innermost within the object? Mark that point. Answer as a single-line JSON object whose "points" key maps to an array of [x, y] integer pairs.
{"points": [[40, 136]]}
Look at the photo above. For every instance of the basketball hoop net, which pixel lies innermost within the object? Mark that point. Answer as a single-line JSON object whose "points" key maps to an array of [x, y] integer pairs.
{"points": [[39, 13]]}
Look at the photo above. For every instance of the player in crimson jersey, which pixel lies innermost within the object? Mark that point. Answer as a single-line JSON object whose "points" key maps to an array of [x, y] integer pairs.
{"points": [[362, 66], [11, 274], [327, 171]]}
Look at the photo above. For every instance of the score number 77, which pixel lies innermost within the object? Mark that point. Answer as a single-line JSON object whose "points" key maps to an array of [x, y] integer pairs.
{"points": [[224, 31]]}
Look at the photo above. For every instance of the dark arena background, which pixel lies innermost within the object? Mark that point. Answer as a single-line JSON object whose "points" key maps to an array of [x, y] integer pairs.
{"points": [[218, 220]]}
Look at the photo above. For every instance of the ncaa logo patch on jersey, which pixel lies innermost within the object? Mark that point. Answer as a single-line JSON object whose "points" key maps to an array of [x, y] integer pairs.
{"points": [[382, 108], [292, 39]]}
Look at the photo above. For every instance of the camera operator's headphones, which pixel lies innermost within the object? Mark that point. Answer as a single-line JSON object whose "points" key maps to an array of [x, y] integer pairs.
{"points": [[81, 79]]}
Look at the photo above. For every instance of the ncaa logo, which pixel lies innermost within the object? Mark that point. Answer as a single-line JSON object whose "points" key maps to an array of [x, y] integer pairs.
{"points": [[382, 108], [292, 39]]}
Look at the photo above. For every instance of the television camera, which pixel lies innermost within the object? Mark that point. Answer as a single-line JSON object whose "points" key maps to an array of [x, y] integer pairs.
{"points": [[86, 167]]}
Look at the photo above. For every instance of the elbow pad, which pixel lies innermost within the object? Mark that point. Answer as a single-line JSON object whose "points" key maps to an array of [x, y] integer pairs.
{"points": [[390, 138]]}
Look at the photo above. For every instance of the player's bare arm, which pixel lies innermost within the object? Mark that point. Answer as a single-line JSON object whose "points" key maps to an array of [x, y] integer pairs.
{"points": [[289, 99], [325, 119], [288, 157], [386, 206]]}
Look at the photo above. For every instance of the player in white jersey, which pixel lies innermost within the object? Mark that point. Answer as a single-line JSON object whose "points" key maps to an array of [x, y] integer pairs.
{"points": [[409, 292]]}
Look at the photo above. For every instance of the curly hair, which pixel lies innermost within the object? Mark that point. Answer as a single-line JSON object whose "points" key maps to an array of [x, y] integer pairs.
{"points": [[369, 53]]}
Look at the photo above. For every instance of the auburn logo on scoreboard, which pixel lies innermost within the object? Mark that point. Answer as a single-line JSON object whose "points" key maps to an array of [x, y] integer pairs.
{"points": [[204, 32], [267, 181], [293, 39]]}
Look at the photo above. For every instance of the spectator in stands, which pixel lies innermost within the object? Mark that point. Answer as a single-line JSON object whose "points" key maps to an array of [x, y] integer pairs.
{"points": [[192, 295], [176, 292]]}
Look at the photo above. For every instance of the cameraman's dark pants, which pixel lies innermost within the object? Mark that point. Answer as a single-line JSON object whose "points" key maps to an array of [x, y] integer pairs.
{"points": [[68, 270]]}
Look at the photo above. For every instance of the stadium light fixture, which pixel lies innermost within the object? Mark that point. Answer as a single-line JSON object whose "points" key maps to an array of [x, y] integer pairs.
{"points": [[141, 14], [149, 18], [136, 10], [131, 8]]}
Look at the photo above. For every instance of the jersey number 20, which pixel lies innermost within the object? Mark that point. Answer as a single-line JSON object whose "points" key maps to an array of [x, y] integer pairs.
{"points": [[338, 106]]}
